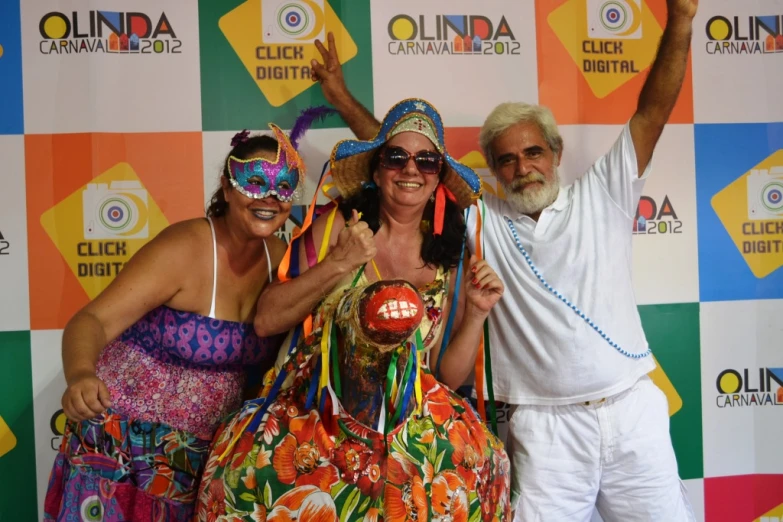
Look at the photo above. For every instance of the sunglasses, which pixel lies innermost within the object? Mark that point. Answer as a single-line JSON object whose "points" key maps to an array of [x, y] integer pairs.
{"points": [[396, 158]]}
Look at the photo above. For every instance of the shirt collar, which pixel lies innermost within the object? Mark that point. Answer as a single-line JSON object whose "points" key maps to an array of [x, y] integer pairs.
{"points": [[561, 201]]}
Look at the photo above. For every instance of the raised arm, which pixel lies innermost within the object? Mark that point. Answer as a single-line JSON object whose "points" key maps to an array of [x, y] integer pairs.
{"points": [[330, 75], [151, 278], [482, 288], [283, 305], [662, 87]]}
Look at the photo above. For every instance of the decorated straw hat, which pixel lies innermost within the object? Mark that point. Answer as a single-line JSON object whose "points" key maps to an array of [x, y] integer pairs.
{"points": [[350, 159]]}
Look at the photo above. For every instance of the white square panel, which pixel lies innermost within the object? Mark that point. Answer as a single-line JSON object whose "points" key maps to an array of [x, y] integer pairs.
{"points": [[48, 389], [14, 285], [742, 387], [737, 61], [416, 55], [111, 66]]}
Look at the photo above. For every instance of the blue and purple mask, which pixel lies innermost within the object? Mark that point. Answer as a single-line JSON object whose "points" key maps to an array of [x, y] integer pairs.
{"points": [[260, 178]]}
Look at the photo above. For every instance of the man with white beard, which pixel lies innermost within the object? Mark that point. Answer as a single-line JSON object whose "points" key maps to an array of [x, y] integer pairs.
{"points": [[588, 428]]}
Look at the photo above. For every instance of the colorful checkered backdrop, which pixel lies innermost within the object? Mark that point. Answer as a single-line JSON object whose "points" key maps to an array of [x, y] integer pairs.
{"points": [[101, 101]]}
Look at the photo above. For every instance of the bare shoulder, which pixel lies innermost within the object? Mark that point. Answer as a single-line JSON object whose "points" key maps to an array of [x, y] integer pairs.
{"points": [[159, 271], [319, 224], [180, 241]]}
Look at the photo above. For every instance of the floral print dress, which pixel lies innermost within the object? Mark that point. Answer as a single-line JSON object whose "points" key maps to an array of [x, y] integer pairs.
{"points": [[307, 463], [173, 377]]}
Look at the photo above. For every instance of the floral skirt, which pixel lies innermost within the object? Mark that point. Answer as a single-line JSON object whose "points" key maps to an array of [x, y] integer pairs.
{"points": [[442, 464], [113, 468]]}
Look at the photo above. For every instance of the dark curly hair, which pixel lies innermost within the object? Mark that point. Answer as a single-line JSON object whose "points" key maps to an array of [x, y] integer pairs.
{"points": [[262, 143], [445, 249]]}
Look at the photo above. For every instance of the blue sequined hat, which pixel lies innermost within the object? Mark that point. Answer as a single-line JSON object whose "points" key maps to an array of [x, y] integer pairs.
{"points": [[350, 159]]}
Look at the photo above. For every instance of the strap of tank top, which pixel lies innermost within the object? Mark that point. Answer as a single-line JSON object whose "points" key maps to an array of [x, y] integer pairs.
{"points": [[214, 268], [268, 261]]}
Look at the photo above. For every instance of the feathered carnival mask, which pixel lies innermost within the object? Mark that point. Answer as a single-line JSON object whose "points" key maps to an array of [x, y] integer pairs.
{"points": [[257, 177]]}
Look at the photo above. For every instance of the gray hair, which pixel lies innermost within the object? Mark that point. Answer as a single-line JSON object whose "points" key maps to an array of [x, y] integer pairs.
{"points": [[509, 114]]}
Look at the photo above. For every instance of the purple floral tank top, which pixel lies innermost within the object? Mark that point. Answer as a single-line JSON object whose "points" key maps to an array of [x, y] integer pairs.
{"points": [[183, 369], [185, 337]]}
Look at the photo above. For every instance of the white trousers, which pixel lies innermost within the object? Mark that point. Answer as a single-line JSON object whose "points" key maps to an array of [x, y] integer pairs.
{"points": [[615, 455]]}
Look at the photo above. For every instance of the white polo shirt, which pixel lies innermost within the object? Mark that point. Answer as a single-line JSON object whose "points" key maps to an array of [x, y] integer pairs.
{"points": [[542, 351]]}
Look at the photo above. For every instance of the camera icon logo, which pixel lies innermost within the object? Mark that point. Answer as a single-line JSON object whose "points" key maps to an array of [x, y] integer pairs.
{"points": [[614, 19], [292, 21], [116, 211], [765, 193]]}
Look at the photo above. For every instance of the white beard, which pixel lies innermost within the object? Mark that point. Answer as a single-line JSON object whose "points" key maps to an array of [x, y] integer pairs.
{"points": [[533, 199]]}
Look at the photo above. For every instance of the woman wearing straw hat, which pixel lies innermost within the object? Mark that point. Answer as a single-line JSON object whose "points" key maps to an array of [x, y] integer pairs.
{"points": [[410, 194], [361, 428]]}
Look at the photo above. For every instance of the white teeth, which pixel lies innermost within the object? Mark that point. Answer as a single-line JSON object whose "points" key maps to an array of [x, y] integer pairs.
{"points": [[408, 185], [264, 214], [393, 309]]}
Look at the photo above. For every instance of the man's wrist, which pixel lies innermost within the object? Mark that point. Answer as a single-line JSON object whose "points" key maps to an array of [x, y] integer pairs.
{"points": [[679, 24]]}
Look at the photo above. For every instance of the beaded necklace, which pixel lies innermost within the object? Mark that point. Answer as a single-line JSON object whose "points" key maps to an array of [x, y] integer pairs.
{"points": [[568, 303]]}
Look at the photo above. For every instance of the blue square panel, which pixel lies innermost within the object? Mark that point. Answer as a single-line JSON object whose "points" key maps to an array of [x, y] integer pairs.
{"points": [[11, 108], [739, 192]]}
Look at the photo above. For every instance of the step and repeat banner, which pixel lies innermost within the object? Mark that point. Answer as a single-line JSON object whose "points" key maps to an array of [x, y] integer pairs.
{"points": [[115, 118]]}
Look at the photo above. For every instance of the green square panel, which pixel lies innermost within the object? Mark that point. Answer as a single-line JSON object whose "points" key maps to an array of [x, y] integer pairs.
{"points": [[673, 333], [18, 497], [255, 59]]}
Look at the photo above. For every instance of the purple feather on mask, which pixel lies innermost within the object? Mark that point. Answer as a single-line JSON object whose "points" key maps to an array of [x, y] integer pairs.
{"points": [[306, 119]]}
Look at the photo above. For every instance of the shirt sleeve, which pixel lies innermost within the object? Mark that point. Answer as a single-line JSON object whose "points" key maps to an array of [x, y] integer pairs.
{"points": [[618, 173]]}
